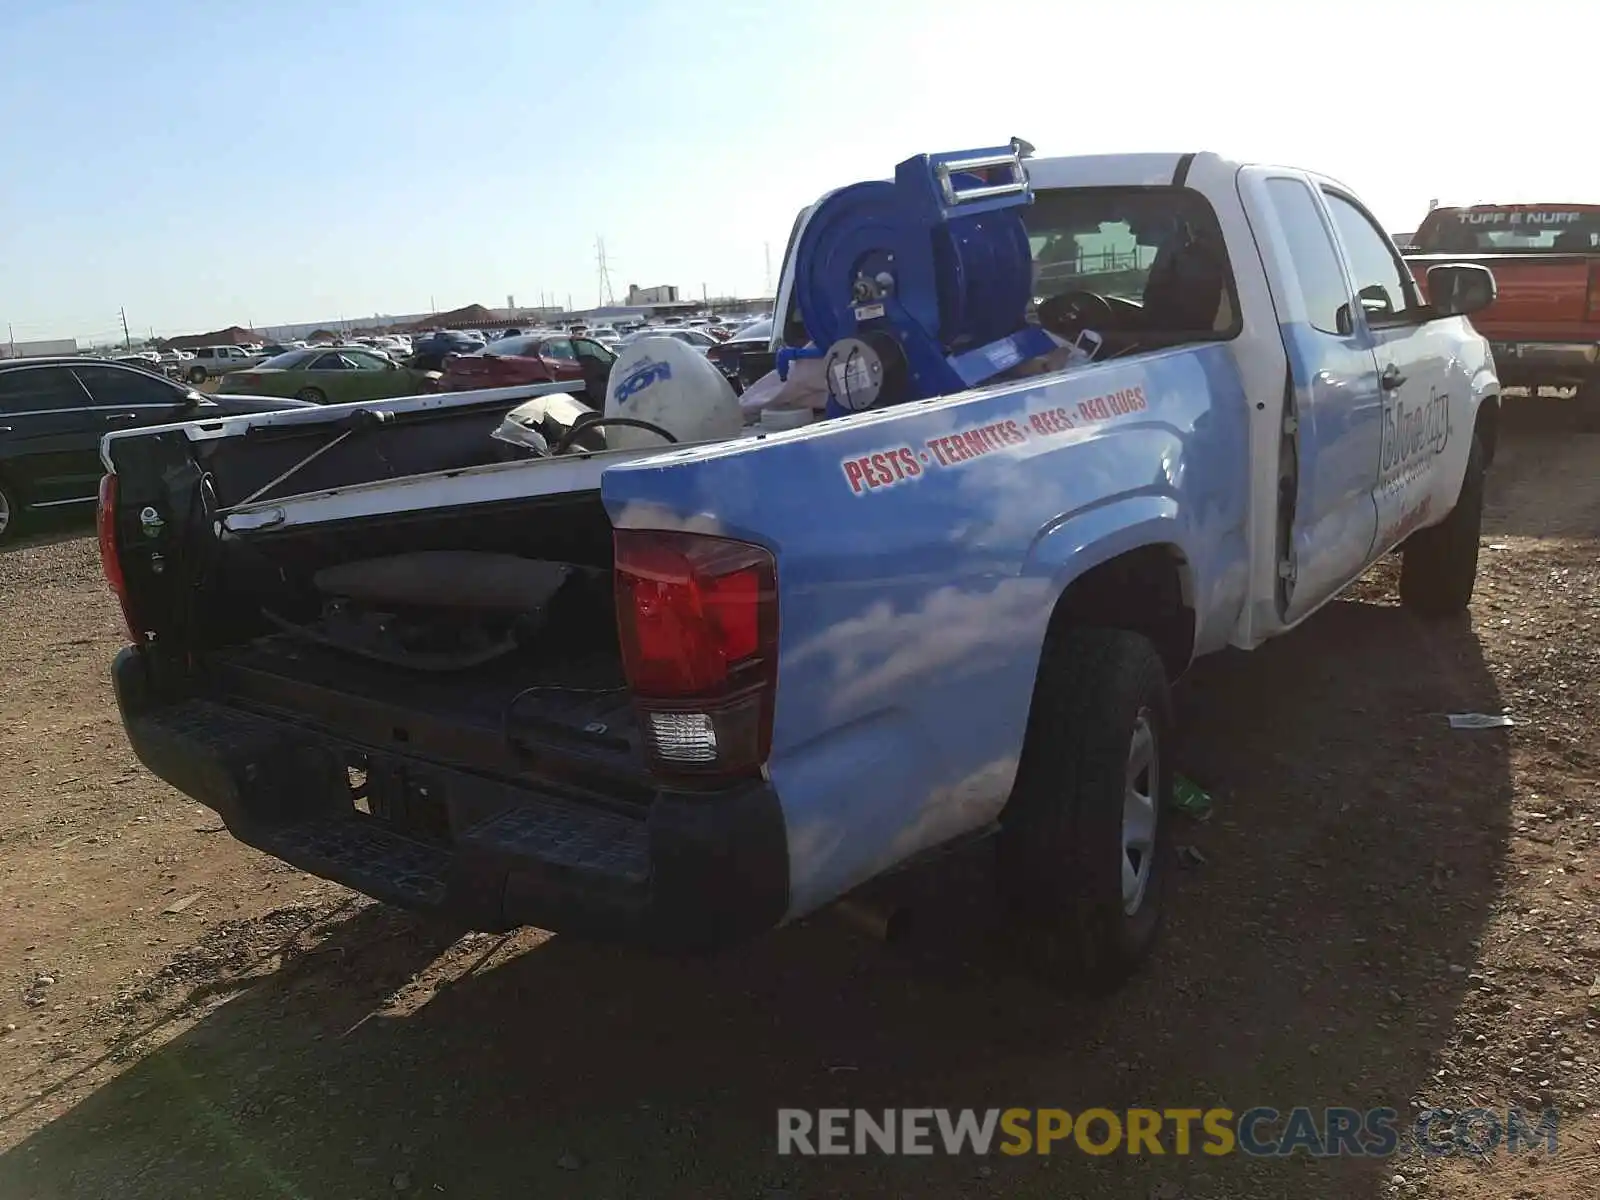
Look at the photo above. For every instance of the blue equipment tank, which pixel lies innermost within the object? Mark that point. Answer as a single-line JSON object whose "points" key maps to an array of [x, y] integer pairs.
{"points": [[919, 287]]}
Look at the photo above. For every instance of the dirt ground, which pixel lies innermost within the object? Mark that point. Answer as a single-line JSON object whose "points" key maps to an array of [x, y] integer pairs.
{"points": [[1388, 913]]}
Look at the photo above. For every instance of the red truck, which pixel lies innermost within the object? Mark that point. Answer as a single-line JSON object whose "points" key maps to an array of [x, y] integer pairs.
{"points": [[1544, 327]]}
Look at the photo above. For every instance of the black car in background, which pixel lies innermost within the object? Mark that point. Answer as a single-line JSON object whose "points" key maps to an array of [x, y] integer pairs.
{"points": [[428, 351], [747, 355], [54, 411]]}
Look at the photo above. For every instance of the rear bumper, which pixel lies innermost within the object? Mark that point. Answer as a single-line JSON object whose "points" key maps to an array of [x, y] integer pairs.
{"points": [[697, 872], [1522, 362]]}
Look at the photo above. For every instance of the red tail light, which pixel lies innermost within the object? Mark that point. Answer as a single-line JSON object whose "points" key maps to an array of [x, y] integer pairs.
{"points": [[248, 378], [105, 523], [698, 618]]}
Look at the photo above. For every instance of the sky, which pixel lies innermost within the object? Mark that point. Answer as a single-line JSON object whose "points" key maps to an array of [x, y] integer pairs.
{"points": [[209, 164]]}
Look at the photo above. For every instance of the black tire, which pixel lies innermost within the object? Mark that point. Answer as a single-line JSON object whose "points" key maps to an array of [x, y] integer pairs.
{"points": [[10, 512], [313, 395], [1587, 401], [1061, 847], [1439, 565], [197, 375]]}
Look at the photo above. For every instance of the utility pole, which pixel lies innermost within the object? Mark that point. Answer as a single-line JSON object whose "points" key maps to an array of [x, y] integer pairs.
{"points": [[127, 337], [606, 295], [766, 248]]}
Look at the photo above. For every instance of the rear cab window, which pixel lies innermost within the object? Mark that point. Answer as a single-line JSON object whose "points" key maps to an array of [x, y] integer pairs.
{"points": [[1510, 229], [1154, 256]]}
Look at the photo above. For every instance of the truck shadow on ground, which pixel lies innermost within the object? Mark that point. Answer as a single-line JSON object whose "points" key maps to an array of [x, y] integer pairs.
{"points": [[43, 529], [1314, 958]]}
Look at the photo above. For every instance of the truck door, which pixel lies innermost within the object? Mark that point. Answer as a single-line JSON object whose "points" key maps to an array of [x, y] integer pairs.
{"points": [[1414, 357], [1333, 406]]}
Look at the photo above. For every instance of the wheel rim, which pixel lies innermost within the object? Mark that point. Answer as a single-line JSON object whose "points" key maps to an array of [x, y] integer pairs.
{"points": [[1141, 787], [5, 512]]}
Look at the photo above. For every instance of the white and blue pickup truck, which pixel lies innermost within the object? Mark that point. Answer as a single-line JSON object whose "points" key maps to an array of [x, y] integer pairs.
{"points": [[682, 694]]}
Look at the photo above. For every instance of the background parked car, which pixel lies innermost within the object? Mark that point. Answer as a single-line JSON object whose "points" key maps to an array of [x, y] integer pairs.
{"points": [[428, 351], [144, 362], [394, 347], [751, 343], [329, 376], [532, 358], [54, 411], [697, 338], [213, 362]]}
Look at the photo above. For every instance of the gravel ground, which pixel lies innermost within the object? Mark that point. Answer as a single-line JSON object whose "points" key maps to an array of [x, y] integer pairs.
{"points": [[1382, 912]]}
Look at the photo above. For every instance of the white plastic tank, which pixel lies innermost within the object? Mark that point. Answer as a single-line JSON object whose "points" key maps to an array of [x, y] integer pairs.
{"points": [[671, 385]]}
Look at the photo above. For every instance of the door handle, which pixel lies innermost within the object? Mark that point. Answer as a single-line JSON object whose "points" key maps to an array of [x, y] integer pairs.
{"points": [[1391, 378], [120, 417]]}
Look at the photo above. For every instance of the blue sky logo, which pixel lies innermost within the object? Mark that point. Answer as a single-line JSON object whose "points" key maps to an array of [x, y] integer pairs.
{"points": [[642, 376]]}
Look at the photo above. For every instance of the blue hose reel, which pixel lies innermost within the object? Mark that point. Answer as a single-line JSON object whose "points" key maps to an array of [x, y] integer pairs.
{"points": [[919, 287]]}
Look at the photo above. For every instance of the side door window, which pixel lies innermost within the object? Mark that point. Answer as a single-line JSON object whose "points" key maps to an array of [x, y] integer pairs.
{"points": [[1383, 286], [369, 377], [562, 359], [329, 362], [595, 362], [123, 397], [40, 390], [593, 350]]}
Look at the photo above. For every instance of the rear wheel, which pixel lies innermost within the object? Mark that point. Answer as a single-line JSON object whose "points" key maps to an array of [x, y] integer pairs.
{"points": [[312, 395], [1587, 399], [1084, 844], [197, 374], [10, 510], [1439, 565]]}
